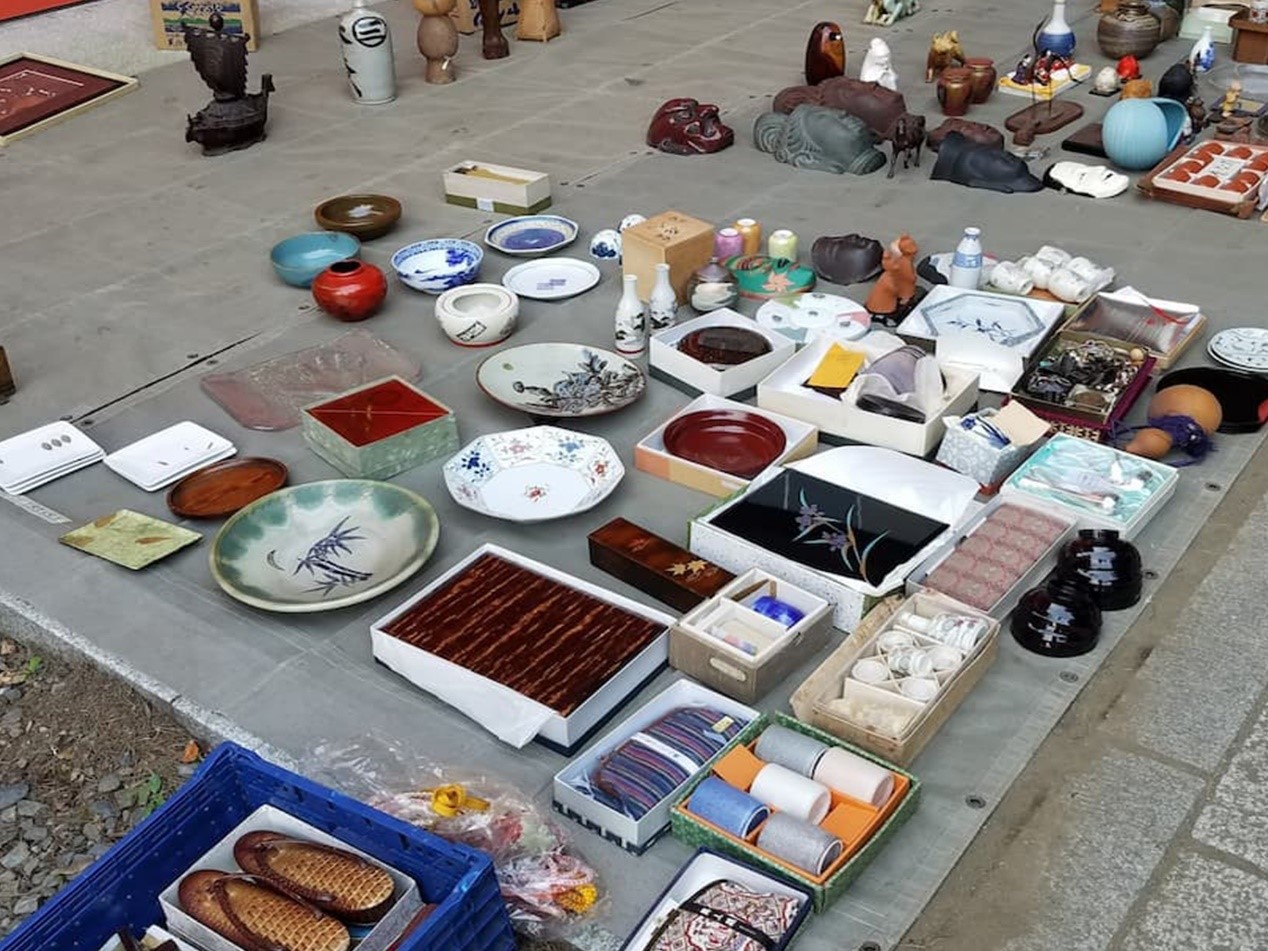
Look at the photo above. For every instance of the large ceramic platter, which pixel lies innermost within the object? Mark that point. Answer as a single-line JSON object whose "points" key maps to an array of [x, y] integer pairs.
{"points": [[562, 380], [530, 235], [323, 545], [530, 475], [807, 317], [1242, 348], [551, 278], [1018, 323]]}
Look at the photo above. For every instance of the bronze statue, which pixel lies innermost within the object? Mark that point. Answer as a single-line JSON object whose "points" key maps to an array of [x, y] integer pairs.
{"points": [[234, 119], [816, 137]]}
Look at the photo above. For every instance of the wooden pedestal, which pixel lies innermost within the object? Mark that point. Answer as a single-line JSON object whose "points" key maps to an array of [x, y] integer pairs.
{"points": [[1250, 40]]}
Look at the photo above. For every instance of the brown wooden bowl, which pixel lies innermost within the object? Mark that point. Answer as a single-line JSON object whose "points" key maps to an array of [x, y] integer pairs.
{"points": [[224, 487], [365, 216]]}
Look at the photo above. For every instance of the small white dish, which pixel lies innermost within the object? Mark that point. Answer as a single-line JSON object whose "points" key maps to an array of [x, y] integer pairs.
{"points": [[895, 640], [807, 317], [167, 456], [870, 671], [31, 459], [477, 315], [551, 278], [1243, 348], [531, 235], [920, 689], [534, 474], [945, 658]]}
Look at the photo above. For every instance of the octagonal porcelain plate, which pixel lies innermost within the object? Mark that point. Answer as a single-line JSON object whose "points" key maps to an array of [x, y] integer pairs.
{"points": [[534, 474], [530, 235], [1018, 323], [807, 317]]}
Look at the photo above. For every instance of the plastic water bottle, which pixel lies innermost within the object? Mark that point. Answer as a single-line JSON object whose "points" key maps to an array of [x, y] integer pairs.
{"points": [[966, 265]]}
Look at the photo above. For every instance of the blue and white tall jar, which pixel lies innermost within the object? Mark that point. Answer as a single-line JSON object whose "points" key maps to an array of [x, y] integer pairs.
{"points": [[966, 263], [367, 55]]}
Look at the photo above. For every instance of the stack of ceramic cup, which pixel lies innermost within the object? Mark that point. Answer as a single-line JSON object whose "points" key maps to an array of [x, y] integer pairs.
{"points": [[918, 655]]}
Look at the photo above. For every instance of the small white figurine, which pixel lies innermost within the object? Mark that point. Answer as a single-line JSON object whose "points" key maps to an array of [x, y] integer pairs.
{"points": [[878, 65], [1107, 81]]}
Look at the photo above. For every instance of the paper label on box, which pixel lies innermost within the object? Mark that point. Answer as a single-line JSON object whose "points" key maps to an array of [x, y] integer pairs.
{"points": [[685, 762], [723, 725], [484, 204]]}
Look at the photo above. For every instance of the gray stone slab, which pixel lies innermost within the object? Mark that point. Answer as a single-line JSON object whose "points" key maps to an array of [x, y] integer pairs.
{"points": [[1236, 820], [1206, 904]]}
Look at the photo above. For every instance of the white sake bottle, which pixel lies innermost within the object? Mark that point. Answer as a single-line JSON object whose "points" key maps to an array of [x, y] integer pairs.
{"points": [[367, 55], [662, 305], [966, 264], [631, 329]]}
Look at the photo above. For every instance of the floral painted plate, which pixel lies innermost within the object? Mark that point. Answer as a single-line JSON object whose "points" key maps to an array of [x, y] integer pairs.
{"points": [[1242, 348], [530, 235], [534, 474], [807, 317], [562, 380], [323, 545], [551, 278]]}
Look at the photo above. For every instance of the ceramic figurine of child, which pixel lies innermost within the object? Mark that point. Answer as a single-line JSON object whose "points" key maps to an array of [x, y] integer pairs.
{"points": [[878, 65], [896, 289], [1232, 97]]}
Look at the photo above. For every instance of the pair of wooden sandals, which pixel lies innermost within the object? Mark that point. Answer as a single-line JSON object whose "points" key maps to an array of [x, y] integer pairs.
{"points": [[291, 895]]}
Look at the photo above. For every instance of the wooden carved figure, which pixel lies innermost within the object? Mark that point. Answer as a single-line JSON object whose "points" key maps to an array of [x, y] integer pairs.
{"points": [[539, 20], [494, 45], [897, 285], [944, 51], [825, 53], [234, 119], [437, 39]]}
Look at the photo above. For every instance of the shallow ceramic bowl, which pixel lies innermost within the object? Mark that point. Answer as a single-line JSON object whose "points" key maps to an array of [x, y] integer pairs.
{"points": [[323, 545], [562, 380], [436, 265], [477, 315], [366, 216], [299, 259], [530, 235]]}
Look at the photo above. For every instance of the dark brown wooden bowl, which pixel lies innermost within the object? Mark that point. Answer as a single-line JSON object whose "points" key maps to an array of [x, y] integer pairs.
{"points": [[365, 216]]}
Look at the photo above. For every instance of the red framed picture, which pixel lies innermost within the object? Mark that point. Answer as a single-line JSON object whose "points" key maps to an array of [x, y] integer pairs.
{"points": [[37, 91]]}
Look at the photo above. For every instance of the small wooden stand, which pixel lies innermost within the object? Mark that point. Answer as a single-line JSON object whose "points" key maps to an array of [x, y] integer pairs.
{"points": [[1250, 40], [1045, 117]]}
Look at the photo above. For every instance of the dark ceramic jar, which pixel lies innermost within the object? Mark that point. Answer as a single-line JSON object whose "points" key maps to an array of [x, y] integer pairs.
{"points": [[955, 91], [1107, 565], [1131, 30], [1060, 619], [350, 290], [982, 76]]}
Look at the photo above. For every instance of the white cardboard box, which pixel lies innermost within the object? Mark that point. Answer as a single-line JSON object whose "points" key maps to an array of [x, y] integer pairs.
{"points": [[800, 440], [636, 835], [220, 856], [783, 392], [509, 715], [670, 364]]}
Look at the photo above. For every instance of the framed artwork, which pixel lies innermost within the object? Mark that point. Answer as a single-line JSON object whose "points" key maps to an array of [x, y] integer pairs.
{"points": [[170, 16], [38, 91]]}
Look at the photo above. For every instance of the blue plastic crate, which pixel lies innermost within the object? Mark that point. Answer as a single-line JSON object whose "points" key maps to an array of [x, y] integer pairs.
{"points": [[121, 888]]}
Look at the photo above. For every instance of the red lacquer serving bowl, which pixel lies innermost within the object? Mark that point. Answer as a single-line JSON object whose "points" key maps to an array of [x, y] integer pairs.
{"points": [[741, 444]]}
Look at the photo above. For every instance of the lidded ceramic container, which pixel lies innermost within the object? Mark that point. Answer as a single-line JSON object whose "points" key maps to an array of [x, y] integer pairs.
{"points": [[1131, 30], [1107, 565], [712, 287], [1059, 619]]}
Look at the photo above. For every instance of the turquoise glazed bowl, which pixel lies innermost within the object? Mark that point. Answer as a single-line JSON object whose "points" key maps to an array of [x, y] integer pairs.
{"points": [[323, 545], [1138, 133], [299, 259]]}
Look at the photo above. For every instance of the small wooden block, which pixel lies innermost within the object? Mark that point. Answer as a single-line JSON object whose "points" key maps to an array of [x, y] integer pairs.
{"points": [[668, 572], [1045, 117], [1086, 141]]}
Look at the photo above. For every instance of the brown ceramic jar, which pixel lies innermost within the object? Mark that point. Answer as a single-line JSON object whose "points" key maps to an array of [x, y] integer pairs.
{"points": [[1131, 30], [982, 75], [955, 91]]}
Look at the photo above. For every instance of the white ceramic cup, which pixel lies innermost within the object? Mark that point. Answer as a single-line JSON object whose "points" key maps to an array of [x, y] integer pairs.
{"points": [[945, 658], [870, 671], [1068, 286], [895, 640], [1052, 256], [920, 689], [1038, 271], [1011, 278], [912, 661]]}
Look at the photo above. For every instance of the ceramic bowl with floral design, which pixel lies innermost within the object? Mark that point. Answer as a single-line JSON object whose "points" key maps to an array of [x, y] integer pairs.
{"points": [[436, 265]]}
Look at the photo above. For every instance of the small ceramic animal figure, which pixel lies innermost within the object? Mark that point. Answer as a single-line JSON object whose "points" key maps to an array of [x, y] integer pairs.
{"points": [[897, 285], [889, 12], [437, 39], [944, 51], [825, 53], [878, 65]]}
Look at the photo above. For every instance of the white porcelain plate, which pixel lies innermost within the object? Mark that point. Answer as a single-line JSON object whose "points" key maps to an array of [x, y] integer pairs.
{"points": [[1243, 348], [530, 235], [807, 317], [561, 380], [1019, 323], [166, 457], [551, 278], [534, 474]]}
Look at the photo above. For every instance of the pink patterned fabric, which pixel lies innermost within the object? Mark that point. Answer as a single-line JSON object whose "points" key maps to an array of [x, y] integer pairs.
{"points": [[725, 916]]}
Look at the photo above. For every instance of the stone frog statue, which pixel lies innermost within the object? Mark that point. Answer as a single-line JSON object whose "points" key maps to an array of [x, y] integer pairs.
{"points": [[820, 138], [944, 51]]}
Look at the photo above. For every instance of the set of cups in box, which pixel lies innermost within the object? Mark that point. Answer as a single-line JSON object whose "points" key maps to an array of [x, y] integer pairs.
{"points": [[918, 654]]}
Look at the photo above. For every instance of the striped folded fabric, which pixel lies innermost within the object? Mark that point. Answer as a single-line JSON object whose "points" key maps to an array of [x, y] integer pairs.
{"points": [[652, 763]]}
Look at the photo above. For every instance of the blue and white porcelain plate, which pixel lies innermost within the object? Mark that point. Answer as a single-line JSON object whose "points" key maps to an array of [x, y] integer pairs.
{"points": [[534, 474], [1242, 348], [551, 278], [323, 545], [436, 265], [562, 380], [1018, 323], [530, 235]]}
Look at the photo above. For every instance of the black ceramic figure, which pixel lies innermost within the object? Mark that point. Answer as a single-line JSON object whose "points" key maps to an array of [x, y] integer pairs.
{"points": [[1177, 83], [846, 258], [234, 119], [1107, 565], [1059, 619], [965, 163]]}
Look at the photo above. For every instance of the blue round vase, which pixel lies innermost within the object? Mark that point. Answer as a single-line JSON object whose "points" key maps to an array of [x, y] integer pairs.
{"points": [[1138, 133]]}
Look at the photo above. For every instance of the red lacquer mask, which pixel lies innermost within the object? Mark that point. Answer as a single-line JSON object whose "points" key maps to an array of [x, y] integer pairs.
{"points": [[687, 127]]}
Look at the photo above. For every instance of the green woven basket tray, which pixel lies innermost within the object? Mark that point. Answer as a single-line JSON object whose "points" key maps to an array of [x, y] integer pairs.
{"points": [[695, 833]]}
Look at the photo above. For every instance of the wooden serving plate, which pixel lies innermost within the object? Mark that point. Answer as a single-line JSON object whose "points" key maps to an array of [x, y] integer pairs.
{"points": [[221, 489]]}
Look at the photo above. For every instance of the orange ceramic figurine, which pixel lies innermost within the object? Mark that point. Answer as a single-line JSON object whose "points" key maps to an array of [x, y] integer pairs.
{"points": [[1180, 417], [897, 285]]}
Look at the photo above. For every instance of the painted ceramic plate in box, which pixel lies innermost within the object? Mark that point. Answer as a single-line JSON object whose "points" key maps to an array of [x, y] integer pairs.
{"points": [[807, 317], [551, 278], [563, 380], [323, 545], [438, 264], [733, 441], [1242, 348], [1019, 323], [130, 539], [529, 235], [534, 474]]}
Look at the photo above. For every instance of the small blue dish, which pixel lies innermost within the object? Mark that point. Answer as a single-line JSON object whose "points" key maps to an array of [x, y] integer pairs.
{"points": [[779, 611], [438, 264], [299, 259], [530, 235]]}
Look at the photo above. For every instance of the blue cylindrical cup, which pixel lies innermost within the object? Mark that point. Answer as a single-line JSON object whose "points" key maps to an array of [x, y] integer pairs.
{"points": [[728, 808]]}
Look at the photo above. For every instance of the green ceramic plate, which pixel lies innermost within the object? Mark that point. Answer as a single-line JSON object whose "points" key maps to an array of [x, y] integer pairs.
{"points": [[130, 539], [324, 545]]}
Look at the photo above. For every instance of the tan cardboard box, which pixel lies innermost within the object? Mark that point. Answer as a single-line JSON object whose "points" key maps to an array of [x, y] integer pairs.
{"points": [[682, 242]]}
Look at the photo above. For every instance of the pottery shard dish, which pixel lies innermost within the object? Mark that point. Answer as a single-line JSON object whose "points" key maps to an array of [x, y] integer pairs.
{"points": [[323, 545], [562, 380], [808, 317], [529, 235], [130, 539], [530, 475], [732, 441]]}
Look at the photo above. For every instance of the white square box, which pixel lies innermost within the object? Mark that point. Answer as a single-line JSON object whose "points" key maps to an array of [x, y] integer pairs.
{"points": [[674, 367], [270, 818], [783, 392], [800, 440], [637, 835], [508, 714]]}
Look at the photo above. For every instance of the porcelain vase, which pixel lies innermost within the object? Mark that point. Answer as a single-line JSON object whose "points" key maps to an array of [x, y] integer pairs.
{"points": [[1202, 56], [662, 305], [1056, 35], [966, 263], [630, 325], [367, 55]]}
